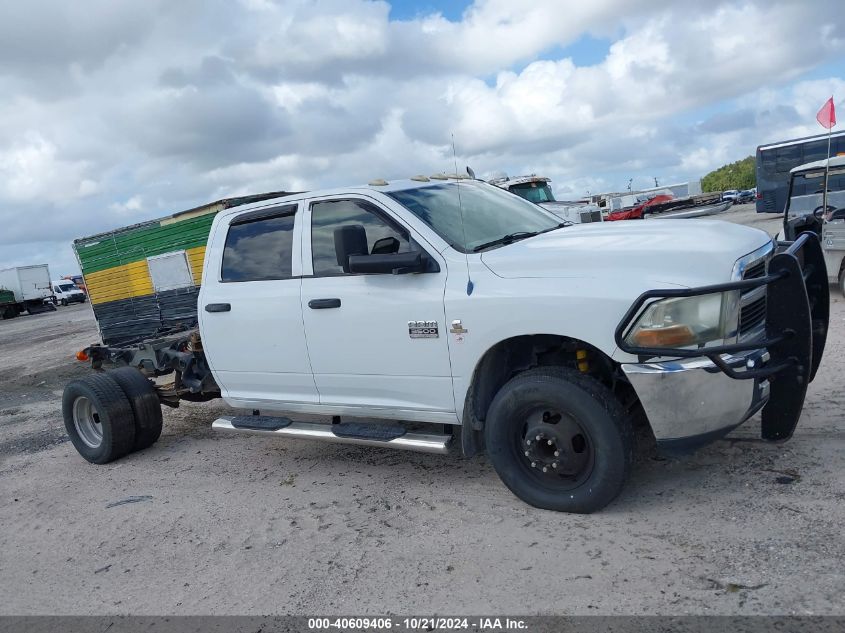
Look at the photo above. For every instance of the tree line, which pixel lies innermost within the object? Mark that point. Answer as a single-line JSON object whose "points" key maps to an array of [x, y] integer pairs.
{"points": [[738, 175]]}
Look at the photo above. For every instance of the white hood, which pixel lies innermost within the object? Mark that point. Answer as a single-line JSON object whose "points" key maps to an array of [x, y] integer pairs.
{"points": [[678, 252]]}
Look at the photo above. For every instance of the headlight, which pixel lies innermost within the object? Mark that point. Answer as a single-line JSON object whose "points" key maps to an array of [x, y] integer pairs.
{"points": [[687, 321]]}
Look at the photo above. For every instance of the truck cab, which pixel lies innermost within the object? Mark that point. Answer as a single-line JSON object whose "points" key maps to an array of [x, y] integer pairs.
{"points": [[420, 311], [537, 189]]}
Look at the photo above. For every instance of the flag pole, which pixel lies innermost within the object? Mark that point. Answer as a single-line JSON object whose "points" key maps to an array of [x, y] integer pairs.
{"points": [[826, 174]]}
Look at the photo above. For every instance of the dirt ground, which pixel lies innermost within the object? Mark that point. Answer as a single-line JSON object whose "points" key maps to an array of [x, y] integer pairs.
{"points": [[225, 524]]}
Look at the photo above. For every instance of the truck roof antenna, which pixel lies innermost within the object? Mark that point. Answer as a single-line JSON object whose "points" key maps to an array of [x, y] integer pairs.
{"points": [[470, 285]]}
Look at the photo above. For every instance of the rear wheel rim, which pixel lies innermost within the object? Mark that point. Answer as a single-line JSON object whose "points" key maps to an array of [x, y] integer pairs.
{"points": [[86, 420], [553, 449]]}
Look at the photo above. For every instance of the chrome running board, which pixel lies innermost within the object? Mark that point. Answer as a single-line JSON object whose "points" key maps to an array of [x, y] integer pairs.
{"points": [[409, 440]]}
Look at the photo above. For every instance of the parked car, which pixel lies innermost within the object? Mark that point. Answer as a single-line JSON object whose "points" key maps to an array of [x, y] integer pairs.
{"points": [[730, 194], [434, 312], [744, 196]]}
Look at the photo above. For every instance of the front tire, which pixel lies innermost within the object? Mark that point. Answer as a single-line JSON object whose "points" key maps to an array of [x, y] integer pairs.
{"points": [[842, 281], [98, 418], [559, 440]]}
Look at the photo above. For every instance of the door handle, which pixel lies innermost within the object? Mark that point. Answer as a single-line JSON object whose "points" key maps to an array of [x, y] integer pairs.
{"points": [[323, 304], [218, 307]]}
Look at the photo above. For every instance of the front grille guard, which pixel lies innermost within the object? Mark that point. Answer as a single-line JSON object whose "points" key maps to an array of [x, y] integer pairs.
{"points": [[797, 304], [797, 318]]}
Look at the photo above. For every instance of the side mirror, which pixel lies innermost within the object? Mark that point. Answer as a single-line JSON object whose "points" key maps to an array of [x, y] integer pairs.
{"points": [[385, 246], [396, 263], [349, 240]]}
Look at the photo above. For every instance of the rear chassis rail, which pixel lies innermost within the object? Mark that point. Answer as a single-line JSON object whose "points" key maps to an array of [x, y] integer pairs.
{"points": [[180, 354], [797, 318]]}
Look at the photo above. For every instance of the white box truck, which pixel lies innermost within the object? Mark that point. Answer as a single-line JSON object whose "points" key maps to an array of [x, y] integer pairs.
{"points": [[30, 286]]}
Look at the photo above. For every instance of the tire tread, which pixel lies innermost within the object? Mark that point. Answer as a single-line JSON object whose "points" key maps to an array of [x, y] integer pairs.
{"points": [[145, 404], [115, 411]]}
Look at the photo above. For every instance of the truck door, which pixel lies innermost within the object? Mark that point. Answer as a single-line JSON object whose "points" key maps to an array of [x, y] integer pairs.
{"points": [[375, 340], [249, 307]]}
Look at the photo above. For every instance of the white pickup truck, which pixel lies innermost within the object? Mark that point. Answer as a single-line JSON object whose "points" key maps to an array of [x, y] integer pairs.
{"points": [[420, 311]]}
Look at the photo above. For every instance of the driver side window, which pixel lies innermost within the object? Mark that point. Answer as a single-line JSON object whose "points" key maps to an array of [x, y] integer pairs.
{"points": [[382, 235]]}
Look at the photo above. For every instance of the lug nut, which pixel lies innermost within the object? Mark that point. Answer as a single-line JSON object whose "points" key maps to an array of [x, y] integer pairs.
{"points": [[537, 438], [526, 453], [557, 453], [554, 465], [528, 442], [533, 464], [549, 442], [545, 469]]}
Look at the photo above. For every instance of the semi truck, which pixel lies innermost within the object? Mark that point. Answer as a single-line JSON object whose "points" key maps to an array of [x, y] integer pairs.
{"points": [[30, 287], [537, 189], [444, 315]]}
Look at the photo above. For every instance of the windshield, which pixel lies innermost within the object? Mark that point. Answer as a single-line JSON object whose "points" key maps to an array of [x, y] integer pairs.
{"points": [[535, 192], [489, 213], [807, 191], [67, 287]]}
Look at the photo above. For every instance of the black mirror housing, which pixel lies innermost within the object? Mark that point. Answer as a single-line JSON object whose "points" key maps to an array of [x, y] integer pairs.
{"points": [[349, 240], [396, 263], [385, 246]]}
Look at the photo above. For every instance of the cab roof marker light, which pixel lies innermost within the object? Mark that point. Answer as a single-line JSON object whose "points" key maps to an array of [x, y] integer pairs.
{"points": [[378, 182], [421, 178]]}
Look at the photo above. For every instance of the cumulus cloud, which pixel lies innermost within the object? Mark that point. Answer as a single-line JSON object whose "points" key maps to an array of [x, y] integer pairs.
{"points": [[115, 112]]}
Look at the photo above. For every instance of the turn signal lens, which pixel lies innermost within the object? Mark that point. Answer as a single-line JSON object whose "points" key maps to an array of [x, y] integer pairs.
{"points": [[669, 336], [81, 355]]}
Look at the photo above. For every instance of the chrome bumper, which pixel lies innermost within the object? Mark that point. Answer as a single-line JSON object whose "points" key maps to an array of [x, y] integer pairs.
{"points": [[692, 402]]}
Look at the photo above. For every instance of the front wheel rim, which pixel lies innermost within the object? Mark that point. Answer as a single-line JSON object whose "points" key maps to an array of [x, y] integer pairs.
{"points": [[554, 449], [86, 420]]}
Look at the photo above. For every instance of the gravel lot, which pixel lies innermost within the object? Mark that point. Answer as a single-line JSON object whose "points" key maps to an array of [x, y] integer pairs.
{"points": [[246, 525]]}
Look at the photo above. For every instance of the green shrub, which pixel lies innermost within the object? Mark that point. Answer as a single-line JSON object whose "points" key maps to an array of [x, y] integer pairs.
{"points": [[738, 175]]}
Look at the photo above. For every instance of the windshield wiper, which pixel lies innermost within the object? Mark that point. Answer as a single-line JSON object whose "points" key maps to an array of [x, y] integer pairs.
{"points": [[563, 224], [510, 238]]}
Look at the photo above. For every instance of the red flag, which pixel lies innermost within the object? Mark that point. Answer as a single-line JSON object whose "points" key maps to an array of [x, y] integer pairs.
{"points": [[827, 115]]}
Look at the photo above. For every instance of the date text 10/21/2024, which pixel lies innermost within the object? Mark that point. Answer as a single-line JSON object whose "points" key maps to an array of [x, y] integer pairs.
{"points": [[418, 623]]}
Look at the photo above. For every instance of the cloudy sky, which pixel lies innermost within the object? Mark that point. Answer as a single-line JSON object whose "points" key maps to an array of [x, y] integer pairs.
{"points": [[113, 112]]}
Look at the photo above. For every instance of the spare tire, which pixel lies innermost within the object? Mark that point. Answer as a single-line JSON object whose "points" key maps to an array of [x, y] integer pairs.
{"points": [[98, 418], [145, 405]]}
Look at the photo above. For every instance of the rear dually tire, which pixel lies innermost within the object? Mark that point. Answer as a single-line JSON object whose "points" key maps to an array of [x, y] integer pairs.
{"points": [[98, 418], [146, 407]]}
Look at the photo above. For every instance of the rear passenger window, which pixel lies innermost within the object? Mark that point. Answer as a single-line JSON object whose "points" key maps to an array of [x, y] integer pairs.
{"points": [[259, 246]]}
